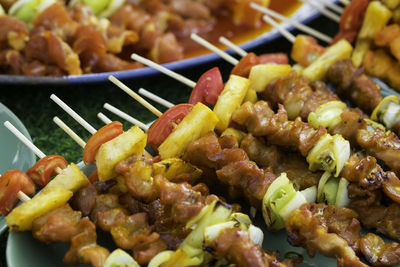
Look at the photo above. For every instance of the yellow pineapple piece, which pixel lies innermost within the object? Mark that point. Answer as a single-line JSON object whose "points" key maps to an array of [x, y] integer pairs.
{"points": [[21, 217], [261, 75], [70, 178], [121, 147], [199, 121], [230, 99]]}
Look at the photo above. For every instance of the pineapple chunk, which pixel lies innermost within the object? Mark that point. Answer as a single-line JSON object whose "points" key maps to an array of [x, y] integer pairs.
{"points": [[376, 17], [317, 69], [251, 96], [110, 153], [230, 99], [171, 168], [199, 121], [70, 178], [244, 14], [21, 218], [392, 4], [261, 75], [360, 50]]}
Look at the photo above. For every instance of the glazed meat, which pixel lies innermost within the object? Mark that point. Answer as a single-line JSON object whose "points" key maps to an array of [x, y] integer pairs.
{"points": [[138, 177], [84, 248], [47, 47], [300, 102], [313, 227], [260, 120], [13, 33], [354, 85], [235, 245], [379, 253], [58, 225]]}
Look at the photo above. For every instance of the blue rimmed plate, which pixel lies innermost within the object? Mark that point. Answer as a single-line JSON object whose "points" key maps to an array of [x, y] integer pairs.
{"points": [[13, 153], [304, 14]]}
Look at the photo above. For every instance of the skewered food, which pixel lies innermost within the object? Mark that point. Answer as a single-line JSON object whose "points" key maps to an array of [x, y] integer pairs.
{"points": [[54, 38]]}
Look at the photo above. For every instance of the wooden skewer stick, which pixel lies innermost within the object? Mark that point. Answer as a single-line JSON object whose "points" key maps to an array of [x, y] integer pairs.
{"points": [[73, 114], [214, 49], [155, 98], [238, 50], [299, 26], [69, 131], [22, 196], [290, 37], [164, 70], [332, 6], [103, 118], [24, 140], [323, 11], [126, 116], [134, 95]]}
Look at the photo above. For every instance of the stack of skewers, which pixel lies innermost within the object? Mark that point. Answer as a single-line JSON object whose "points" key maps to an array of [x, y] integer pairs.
{"points": [[273, 135]]}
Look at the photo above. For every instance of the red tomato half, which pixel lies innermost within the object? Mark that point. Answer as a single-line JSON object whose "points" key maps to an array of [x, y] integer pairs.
{"points": [[277, 58], [103, 135], [245, 64], [207, 88], [164, 125], [353, 15], [41, 172], [11, 182]]}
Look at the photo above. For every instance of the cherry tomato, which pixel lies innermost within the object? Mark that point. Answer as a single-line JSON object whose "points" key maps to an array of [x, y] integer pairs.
{"points": [[94, 176], [11, 182], [391, 186], [353, 16], [245, 64], [207, 88], [164, 125], [45, 168], [278, 58], [305, 50], [103, 135]]}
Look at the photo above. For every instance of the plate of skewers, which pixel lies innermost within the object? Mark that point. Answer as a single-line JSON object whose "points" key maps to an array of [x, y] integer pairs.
{"points": [[274, 136], [62, 42]]}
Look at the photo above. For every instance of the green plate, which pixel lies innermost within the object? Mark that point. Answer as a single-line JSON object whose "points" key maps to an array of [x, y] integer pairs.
{"points": [[13, 153]]}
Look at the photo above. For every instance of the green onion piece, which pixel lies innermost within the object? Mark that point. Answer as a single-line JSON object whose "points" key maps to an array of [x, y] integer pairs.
{"points": [[321, 155], [111, 8], [310, 194], [330, 190], [324, 178], [296, 201], [327, 115], [97, 5], [342, 197], [160, 258], [392, 115], [119, 258], [24, 10], [341, 152], [256, 235], [217, 213]]}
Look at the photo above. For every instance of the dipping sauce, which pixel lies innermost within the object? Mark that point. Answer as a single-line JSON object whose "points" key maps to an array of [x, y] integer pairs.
{"points": [[236, 34]]}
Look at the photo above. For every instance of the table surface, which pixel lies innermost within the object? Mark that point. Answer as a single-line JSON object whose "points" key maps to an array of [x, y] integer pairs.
{"points": [[36, 111]]}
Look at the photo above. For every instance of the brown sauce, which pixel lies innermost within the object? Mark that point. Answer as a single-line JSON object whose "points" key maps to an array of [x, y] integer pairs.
{"points": [[236, 34]]}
